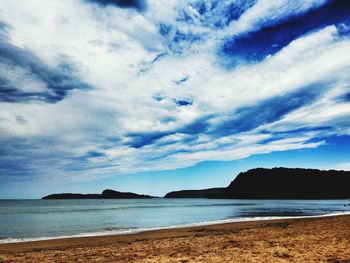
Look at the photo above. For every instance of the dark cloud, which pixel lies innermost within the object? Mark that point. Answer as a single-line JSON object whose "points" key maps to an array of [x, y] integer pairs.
{"points": [[181, 103], [139, 5], [255, 46], [138, 140], [158, 97], [201, 125], [164, 29], [58, 81], [180, 81], [278, 135], [168, 119], [344, 98], [268, 111], [95, 154], [344, 28], [18, 155], [159, 56], [181, 41]]}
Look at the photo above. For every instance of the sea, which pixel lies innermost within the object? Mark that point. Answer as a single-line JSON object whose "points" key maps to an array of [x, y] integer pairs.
{"points": [[29, 220]]}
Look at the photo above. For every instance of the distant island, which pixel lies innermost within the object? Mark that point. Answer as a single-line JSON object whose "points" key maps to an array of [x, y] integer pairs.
{"points": [[106, 194], [278, 183], [205, 193]]}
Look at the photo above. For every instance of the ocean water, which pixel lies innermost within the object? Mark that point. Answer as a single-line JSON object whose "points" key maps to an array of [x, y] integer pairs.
{"points": [[23, 220]]}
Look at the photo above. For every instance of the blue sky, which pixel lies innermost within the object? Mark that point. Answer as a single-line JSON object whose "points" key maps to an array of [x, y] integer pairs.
{"points": [[153, 96]]}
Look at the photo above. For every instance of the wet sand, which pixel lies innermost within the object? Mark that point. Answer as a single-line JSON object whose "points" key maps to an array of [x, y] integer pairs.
{"points": [[324, 239]]}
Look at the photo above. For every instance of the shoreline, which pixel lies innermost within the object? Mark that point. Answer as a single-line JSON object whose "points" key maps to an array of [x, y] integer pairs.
{"points": [[145, 230], [317, 238]]}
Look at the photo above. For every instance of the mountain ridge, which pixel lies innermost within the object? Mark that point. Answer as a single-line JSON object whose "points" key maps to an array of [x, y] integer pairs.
{"points": [[279, 183]]}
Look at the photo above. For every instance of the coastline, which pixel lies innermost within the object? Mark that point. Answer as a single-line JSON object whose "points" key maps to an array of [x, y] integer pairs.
{"points": [[312, 238]]}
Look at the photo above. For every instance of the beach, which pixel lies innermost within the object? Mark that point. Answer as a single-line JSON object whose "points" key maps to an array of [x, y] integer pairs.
{"points": [[322, 239]]}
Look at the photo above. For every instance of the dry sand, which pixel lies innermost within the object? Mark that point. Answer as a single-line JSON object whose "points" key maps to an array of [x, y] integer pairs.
{"points": [[294, 240]]}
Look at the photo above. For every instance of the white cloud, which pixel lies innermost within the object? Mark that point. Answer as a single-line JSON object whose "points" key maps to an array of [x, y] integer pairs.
{"points": [[112, 50]]}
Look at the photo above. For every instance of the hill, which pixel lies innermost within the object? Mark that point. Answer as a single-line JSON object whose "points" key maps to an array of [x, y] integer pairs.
{"points": [[278, 183], [106, 194], [287, 183]]}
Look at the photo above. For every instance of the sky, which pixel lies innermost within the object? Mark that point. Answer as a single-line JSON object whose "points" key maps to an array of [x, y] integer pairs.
{"points": [[154, 96]]}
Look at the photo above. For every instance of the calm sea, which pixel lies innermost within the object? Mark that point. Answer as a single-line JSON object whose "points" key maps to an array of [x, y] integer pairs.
{"points": [[22, 220]]}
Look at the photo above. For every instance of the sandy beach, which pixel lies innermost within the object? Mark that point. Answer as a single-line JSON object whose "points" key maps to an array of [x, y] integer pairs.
{"points": [[324, 239]]}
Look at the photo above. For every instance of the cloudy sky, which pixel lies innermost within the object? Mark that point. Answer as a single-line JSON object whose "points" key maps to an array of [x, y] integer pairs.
{"points": [[152, 96]]}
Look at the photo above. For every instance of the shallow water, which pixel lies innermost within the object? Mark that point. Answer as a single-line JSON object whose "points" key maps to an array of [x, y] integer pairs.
{"points": [[36, 219]]}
